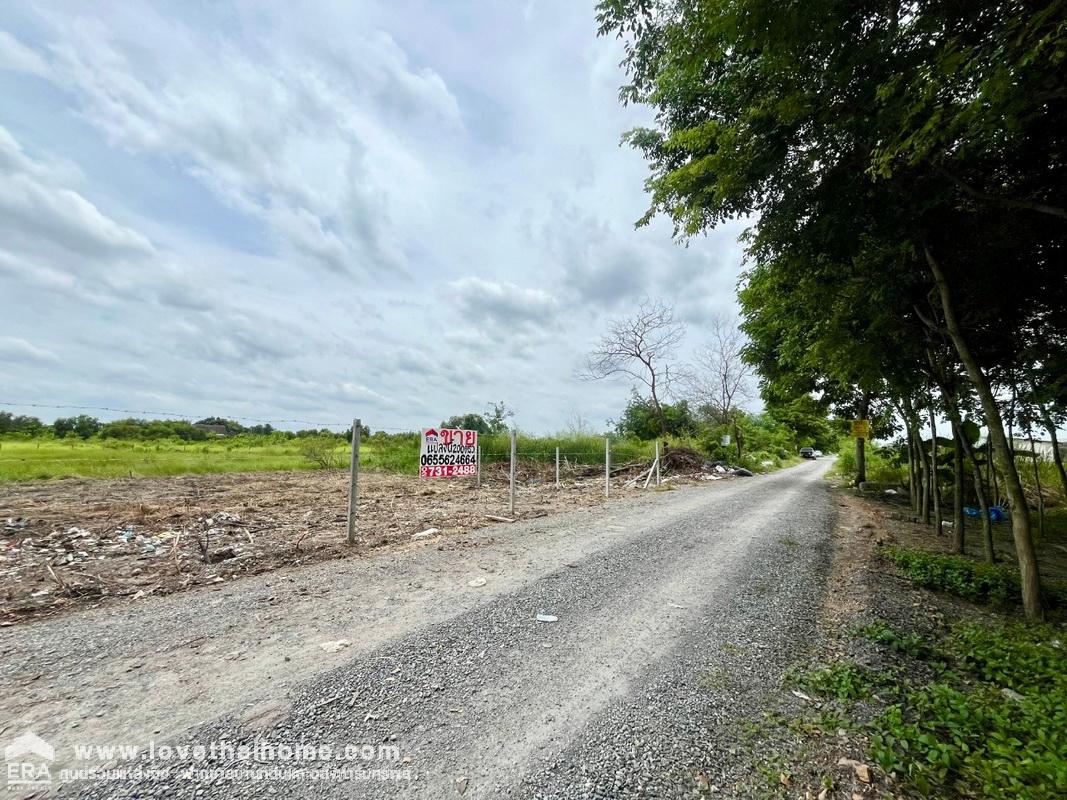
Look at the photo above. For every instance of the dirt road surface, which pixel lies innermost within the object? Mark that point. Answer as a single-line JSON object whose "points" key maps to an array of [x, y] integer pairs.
{"points": [[675, 612]]}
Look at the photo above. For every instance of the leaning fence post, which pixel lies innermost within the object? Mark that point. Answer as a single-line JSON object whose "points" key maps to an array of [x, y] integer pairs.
{"points": [[657, 462], [557, 467], [607, 467], [512, 495], [478, 468], [353, 484]]}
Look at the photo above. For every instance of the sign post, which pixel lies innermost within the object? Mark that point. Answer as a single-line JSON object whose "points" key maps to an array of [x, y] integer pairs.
{"points": [[353, 483]]}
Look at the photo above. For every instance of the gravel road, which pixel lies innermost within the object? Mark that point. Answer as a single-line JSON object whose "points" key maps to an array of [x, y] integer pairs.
{"points": [[675, 615]]}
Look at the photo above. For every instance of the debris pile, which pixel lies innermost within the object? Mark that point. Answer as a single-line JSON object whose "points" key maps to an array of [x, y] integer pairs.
{"points": [[71, 542], [682, 462]]}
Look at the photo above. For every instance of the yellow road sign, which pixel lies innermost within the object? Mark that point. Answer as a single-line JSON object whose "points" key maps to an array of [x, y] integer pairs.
{"points": [[861, 428]]}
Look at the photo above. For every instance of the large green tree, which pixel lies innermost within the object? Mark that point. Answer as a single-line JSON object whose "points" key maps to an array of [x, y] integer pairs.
{"points": [[904, 165]]}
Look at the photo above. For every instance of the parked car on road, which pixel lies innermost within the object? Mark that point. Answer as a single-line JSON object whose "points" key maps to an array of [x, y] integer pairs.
{"points": [[818, 453], [807, 452]]}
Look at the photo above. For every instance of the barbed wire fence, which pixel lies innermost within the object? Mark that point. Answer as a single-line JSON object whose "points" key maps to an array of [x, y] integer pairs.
{"points": [[565, 460]]}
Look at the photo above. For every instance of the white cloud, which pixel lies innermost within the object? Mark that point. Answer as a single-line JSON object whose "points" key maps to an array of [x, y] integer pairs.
{"points": [[502, 304], [15, 349], [298, 139], [398, 211], [15, 56]]}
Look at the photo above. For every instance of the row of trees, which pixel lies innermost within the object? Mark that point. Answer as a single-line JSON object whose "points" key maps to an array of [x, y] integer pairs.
{"points": [[906, 166], [710, 390], [495, 420], [84, 426], [778, 431]]}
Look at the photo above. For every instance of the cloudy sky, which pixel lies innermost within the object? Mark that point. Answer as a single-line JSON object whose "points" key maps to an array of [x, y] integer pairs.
{"points": [[392, 210]]}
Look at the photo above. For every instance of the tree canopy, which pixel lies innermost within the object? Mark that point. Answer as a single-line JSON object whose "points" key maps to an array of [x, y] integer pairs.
{"points": [[905, 165]]}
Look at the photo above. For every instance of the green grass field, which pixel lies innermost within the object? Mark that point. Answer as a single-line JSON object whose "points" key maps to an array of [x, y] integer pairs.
{"points": [[45, 458], [48, 458]]}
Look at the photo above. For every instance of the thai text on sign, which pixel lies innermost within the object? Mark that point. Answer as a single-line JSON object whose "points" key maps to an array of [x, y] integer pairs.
{"points": [[448, 453]]}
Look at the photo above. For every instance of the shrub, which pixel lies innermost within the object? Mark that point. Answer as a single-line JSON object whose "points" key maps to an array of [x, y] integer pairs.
{"points": [[321, 452], [882, 464], [991, 584], [995, 729]]}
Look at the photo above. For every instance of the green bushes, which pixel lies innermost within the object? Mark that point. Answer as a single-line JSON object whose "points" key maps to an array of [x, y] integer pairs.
{"points": [[994, 725], [883, 466], [991, 584]]}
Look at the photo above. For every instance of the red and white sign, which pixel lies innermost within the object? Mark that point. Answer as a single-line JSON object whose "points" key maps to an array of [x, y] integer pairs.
{"points": [[448, 453]]}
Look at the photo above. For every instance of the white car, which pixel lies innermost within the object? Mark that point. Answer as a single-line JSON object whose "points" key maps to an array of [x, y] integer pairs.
{"points": [[818, 453]]}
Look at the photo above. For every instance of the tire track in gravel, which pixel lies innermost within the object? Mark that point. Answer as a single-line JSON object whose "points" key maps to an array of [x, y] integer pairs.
{"points": [[609, 700]]}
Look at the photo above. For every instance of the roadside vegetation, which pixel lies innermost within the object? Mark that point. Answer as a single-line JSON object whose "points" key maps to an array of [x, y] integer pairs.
{"points": [[976, 712], [928, 682], [993, 584], [84, 446], [44, 457], [904, 165]]}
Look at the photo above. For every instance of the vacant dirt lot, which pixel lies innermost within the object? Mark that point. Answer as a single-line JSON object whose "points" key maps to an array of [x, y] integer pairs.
{"points": [[80, 542]]}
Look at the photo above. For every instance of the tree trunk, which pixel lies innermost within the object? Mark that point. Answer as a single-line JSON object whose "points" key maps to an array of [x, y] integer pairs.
{"points": [[924, 504], [1020, 518], [992, 470], [916, 444], [1057, 456], [935, 484], [914, 487], [983, 503], [913, 471], [957, 488], [659, 409], [861, 451], [1037, 483]]}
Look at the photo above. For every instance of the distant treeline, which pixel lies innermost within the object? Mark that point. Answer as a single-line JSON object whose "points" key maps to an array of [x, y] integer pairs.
{"points": [[86, 427]]}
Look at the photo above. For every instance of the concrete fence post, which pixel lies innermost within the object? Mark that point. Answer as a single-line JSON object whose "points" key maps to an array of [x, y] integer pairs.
{"points": [[353, 483], [657, 462], [511, 506], [557, 467], [607, 467], [478, 469]]}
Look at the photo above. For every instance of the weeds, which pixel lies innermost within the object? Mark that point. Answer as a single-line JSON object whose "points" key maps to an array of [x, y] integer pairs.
{"points": [[842, 680], [989, 584], [909, 644], [994, 726]]}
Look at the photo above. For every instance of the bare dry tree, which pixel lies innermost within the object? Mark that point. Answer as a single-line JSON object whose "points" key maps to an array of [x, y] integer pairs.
{"points": [[577, 425], [641, 347], [719, 380]]}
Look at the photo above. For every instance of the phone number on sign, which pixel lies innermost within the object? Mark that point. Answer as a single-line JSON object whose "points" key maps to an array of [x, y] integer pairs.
{"points": [[447, 471]]}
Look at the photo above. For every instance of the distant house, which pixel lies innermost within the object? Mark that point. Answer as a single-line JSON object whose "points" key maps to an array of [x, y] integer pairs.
{"points": [[214, 430], [1043, 448]]}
